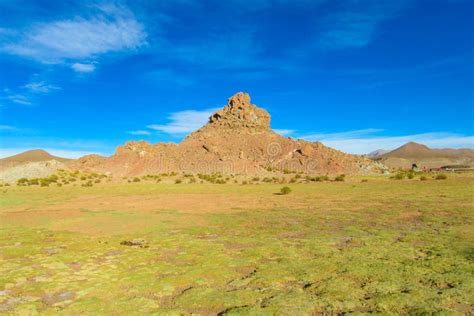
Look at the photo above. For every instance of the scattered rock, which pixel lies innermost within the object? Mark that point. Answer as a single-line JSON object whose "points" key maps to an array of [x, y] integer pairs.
{"points": [[135, 242], [50, 299]]}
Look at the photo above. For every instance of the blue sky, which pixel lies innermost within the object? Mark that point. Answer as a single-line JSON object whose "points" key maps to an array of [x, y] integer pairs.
{"points": [[82, 77]]}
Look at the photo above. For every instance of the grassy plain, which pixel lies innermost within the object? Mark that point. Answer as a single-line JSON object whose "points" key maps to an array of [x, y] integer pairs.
{"points": [[389, 246]]}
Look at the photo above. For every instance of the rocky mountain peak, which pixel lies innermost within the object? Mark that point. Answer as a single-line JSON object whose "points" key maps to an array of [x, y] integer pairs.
{"points": [[239, 112]]}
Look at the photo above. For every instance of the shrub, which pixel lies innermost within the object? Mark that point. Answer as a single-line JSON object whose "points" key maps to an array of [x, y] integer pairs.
{"points": [[44, 183], [255, 179], [97, 181], [399, 176], [22, 181], [178, 181], [339, 178], [59, 184], [441, 176], [34, 181], [285, 190], [87, 184], [423, 178], [324, 178], [410, 175], [83, 178], [364, 180], [136, 179], [244, 182]]}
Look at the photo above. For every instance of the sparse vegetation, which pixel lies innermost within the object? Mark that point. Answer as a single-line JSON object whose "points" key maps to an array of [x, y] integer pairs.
{"points": [[210, 248], [441, 176]]}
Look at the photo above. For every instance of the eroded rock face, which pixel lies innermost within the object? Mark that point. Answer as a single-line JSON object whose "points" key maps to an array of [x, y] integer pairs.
{"points": [[239, 112]]}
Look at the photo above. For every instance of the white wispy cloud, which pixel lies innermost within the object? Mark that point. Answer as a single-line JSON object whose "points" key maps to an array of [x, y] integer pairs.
{"points": [[83, 67], [284, 132], [41, 87], [139, 132], [183, 122], [7, 128], [111, 29], [19, 99], [368, 140], [355, 25], [342, 135]]}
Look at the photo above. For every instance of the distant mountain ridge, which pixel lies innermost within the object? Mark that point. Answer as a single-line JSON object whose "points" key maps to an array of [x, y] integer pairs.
{"points": [[33, 156], [377, 153], [424, 157], [416, 150]]}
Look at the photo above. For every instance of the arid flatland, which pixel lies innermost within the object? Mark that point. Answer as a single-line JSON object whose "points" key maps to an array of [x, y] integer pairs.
{"points": [[381, 245]]}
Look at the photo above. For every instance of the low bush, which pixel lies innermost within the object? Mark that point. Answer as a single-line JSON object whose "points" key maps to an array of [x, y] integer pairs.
{"points": [[441, 176], [285, 190], [423, 178], [178, 181], [87, 184], [340, 178], [399, 176], [22, 181]]}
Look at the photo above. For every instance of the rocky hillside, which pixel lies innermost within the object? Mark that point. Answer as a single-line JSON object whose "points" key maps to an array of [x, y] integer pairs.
{"points": [[236, 139]]}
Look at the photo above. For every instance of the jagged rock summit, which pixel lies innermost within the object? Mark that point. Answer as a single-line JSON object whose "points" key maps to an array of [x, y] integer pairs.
{"points": [[236, 139], [239, 112]]}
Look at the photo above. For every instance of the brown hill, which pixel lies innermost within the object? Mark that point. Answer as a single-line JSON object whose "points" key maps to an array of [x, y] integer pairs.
{"points": [[30, 164], [35, 155], [236, 139], [415, 150], [425, 157]]}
